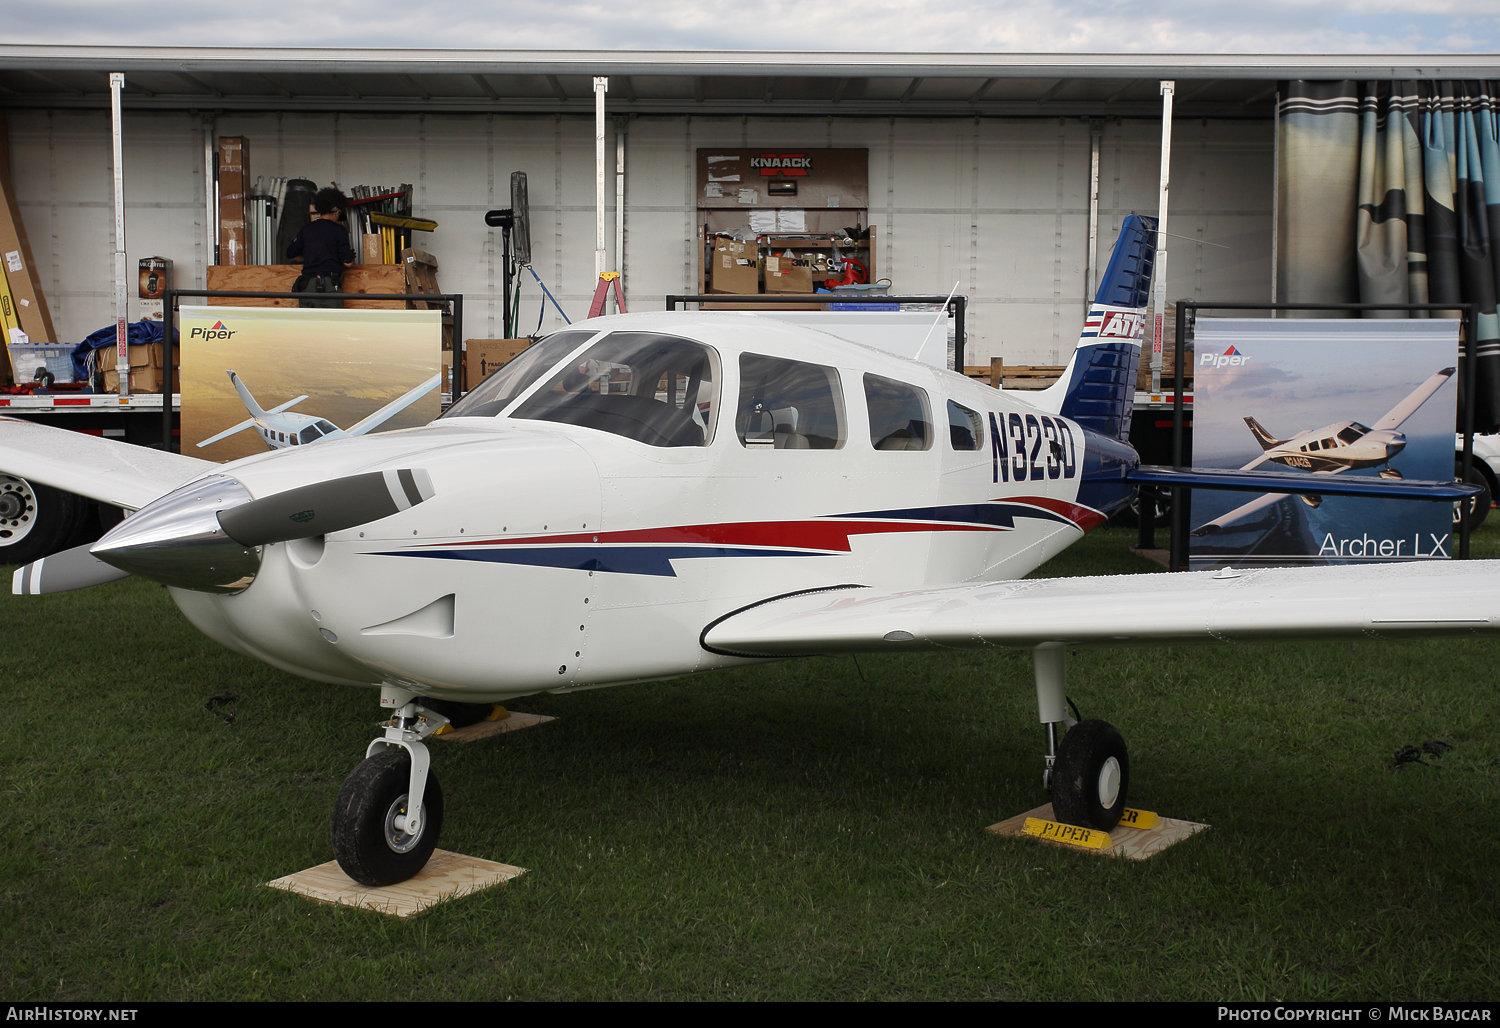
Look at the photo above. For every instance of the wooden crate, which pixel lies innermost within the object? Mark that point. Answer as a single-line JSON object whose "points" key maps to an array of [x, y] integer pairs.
{"points": [[278, 278]]}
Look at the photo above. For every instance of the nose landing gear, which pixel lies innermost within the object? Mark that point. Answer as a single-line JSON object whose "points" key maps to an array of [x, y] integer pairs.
{"points": [[389, 813]]}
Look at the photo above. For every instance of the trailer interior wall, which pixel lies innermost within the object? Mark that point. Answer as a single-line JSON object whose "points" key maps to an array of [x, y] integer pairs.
{"points": [[997, 205]]}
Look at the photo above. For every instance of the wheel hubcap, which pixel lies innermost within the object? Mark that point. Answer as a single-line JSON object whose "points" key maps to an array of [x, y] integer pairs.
{"points": [[17, 510], [396, 835], [1109, 783]]}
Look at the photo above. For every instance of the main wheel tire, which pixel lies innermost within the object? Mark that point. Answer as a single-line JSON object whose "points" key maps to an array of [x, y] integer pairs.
{"points": [[1130, 515], [366, 842], [1090, 776], [35, 520]]}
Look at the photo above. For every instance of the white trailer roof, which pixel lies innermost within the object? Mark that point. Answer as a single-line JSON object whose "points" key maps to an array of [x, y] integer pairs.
{"points": [[711, 82]]}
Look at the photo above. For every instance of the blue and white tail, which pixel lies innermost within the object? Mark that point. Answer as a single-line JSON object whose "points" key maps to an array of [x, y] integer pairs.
{"points": [[1098, 388]]}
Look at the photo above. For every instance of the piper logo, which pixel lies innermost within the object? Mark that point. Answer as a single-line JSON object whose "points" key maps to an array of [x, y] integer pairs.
{"points": [[1230, 357], [217, 332], [782, 164]]}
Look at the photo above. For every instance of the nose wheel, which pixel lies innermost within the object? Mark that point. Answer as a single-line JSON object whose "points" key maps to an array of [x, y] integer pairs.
{"points": [[1091, 776], [389, 813]]}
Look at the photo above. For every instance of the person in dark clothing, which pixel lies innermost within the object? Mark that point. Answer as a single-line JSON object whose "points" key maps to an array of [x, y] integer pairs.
{"points": [[323, 245]]}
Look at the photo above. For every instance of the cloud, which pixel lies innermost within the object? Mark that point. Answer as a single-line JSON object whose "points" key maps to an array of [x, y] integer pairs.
{"points": [[983, 26]]}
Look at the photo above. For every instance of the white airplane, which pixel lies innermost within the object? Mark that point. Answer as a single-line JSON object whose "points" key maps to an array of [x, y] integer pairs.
{"points": [[1332, 450], [648, 496], [280, 429]]}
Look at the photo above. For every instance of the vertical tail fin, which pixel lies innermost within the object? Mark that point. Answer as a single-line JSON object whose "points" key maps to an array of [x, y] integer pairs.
{"points": [[245, 397], [1098, 388], [1266, 439]]}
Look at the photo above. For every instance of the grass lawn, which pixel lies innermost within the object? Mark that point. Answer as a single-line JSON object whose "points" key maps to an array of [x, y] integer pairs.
{"points": [[809, 829]]}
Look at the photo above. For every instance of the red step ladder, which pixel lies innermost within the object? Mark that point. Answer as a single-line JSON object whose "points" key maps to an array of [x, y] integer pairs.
{"points": [[601, 294]]}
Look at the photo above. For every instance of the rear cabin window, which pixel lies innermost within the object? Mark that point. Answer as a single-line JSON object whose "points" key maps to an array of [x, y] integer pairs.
{"points": [[965, 429], [899, 415], [655, 389], [788, 405]]}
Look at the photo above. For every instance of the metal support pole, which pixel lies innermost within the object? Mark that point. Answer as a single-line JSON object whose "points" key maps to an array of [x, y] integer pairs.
{"points": [[1090, 284], [1159, 273], [601, 86], [122, 350], [620, 199], [1177, 556]]}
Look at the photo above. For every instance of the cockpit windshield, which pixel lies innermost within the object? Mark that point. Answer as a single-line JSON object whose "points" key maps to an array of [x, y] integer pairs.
{"points": [[1354, 432], [495, 393], [653, 388]]}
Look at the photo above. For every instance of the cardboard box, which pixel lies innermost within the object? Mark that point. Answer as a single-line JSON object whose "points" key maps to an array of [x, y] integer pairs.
{"points": [[155, 278], [794, 274], [142, 380], [484, 357], [16, 261], [234, 199], [146, 374], [734, 267]]}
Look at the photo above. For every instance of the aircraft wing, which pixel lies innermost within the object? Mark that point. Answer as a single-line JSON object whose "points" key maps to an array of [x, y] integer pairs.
{"points": [[395, 407], [248, 422], [101, 469], [1418, 598], [1407, 407]]}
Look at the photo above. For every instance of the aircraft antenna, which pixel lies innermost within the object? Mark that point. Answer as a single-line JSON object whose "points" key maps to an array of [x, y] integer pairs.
{"points": [[942, 314]]}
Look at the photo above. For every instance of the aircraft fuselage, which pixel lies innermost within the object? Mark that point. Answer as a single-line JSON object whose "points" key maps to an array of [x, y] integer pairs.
{"points": [[559, 557]]}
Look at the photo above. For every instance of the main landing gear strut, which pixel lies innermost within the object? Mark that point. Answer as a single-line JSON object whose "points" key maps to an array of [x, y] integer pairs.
{"points": [[1089, 771], [389, 814]]}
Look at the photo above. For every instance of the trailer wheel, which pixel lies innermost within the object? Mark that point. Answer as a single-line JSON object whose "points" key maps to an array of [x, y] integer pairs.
{"points": [[36, 520]]}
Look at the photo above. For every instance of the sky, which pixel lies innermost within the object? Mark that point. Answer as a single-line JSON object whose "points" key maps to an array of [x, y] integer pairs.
{"points": [[979, 26]]}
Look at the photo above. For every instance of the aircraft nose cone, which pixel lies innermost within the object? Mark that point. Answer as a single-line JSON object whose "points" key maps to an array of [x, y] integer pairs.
{"points": [[1394, 447], [177, 540]]}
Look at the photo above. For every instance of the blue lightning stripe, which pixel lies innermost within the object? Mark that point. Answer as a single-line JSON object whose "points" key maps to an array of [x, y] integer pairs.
{"points": [[998, 515], [620, 560]]}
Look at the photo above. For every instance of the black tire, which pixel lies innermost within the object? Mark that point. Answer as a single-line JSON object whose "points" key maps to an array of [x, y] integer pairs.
{"points": [[1479, 506], [1130, 515], [371, 796], [1083, 755], [36, 520]]}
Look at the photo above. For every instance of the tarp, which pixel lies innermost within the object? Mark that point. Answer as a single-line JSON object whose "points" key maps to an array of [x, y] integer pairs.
{"points": [[1390, 193], [138, 334]]}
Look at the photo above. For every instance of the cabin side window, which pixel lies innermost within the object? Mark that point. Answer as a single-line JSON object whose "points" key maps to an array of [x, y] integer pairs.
{"points": [[788, 405], [655, 389], [965, 428], [899, 415]]}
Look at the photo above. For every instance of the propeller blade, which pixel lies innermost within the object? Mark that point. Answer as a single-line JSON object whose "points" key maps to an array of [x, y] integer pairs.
{"points": [[71, 569], [325, 507]]}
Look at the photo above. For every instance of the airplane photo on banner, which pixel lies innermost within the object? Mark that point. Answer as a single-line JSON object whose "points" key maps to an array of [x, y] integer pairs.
{"points": [[280, 428], [1332, 450]]}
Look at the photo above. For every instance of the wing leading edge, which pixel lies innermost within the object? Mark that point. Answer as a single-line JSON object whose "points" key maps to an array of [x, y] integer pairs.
{"points": [[1419, 598], [101, 469]]}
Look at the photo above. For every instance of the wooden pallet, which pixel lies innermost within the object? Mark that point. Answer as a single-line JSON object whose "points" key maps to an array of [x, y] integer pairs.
{"points": [[1014, 376]]}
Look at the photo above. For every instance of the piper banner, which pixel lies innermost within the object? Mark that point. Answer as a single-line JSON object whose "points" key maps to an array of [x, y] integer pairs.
{"points": [[1372, 398], [262, 378]]}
